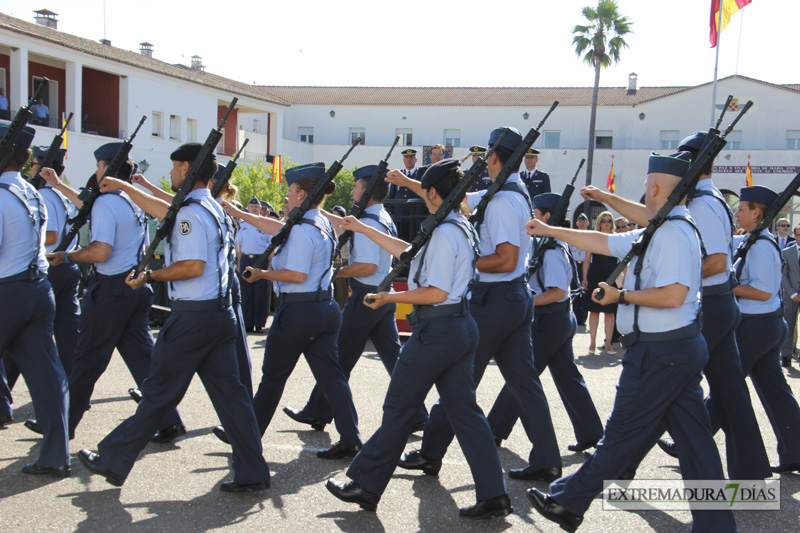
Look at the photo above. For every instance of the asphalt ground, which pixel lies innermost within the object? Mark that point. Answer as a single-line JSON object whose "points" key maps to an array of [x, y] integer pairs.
{"points": [[175, 487]]}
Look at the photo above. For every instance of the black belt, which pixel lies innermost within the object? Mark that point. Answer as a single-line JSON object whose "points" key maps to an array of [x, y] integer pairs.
{"points": [[719, 290], [295, 297], [551, 308], [423, 312], [97, 275], [355, 284], [201, 305], [681, 333], [519, 279], [777, 312], [26, 275]]}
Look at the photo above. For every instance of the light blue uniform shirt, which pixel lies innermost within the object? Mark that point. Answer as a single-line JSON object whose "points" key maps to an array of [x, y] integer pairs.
{"points": [[714, 225], [673, 256], [252, 240], [57, 215], [504, 221], [114, 222], [308, 251], [448, 262], [762, 270], [18, 236], [556, 271], [363, 250], [196, 236]]}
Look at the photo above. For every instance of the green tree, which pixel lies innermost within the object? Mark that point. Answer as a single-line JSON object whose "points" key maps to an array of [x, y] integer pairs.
{"points": [[599, 43]]}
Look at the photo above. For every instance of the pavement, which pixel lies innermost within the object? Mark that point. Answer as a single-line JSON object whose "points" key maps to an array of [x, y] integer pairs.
{"points": [[175, 487]]}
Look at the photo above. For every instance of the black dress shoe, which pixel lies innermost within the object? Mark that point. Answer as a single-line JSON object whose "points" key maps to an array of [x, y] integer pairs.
{"points": [[581, 446], [781, 469], [168, 434], [536, 474], [419, 426], [339, 451], [232, 486], [493, 507], [786, 362], [219, 432], [550, 509], [416, 461], [5, 419], [352, 492], [299, 416], [91, 461], [136, 394], [33, 425], [668, 447], [55, 471]]}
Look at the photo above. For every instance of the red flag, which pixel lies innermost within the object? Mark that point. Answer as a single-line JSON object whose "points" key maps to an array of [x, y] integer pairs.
{"points": [[748, 176], [729, 7], [610, 180], [276, 169]]}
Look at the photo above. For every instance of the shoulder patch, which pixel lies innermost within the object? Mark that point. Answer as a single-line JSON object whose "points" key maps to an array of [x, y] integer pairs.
{"points": [[185, 227]]}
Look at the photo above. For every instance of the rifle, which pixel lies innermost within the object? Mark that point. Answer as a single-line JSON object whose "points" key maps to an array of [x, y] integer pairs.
{"points": [[296, 215], [16, 126], [434, 219], [712, 147], [90, 194], [199, 165], [50, 157], [556, 217], [511, 166], [358, 208], [227, 172]]}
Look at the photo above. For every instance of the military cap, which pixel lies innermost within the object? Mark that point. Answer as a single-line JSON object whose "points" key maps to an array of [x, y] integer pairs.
{"points": [[408, 152], [758, 193], [532, 152], [437, 171], [188, 152], [477, 150], [312, 170], [41, 151], [219, 173], [583, 216], [339, 210], [693, 142], [254, 200], [263, 204], [365, 173], [674, 164], [510, 141], [547, 200], [107, 151], [25, 137]]}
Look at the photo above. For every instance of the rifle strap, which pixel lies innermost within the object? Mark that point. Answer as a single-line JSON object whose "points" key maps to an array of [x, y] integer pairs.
{"points": [[327, 232], [714, 194], [24, 198], [66, 204], [472, 237]]}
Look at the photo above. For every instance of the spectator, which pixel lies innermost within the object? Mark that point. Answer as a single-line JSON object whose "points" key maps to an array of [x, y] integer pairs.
{"points": [[597, 268], [40, 112], [4, 114]]}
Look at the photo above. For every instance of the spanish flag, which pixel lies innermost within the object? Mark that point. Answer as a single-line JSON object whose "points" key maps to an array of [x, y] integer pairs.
{"points": [[748, 176], [729, 7], [276, 169], [610, 180]]}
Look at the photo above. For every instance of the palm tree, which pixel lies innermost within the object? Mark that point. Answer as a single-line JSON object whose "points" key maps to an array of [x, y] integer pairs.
{"points": [[599, 43]]}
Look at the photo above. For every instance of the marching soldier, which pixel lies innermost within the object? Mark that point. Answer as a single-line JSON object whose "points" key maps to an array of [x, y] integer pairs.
{"points": [[251, 243]]}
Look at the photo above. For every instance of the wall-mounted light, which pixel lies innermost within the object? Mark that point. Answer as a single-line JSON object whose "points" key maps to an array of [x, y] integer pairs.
{"points": [[641, 116], [526, 116], [333, 113], [144, 165]]}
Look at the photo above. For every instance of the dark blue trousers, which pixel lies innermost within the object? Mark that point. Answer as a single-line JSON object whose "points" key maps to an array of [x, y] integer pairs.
{"points": [[311, 329], [26, 338], [201, 342], [242, 351], [659, 386], [504, 312], [360, 323], [440, 352], [552, 347], [112, 316], [256, 298], [760, 340]]}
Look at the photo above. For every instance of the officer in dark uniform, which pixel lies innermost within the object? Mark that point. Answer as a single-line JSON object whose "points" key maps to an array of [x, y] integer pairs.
{"points": [[484, 181], [28, 308], [368, 266], [535, 180], [440, 279], [660, 380], [552, 331], [404, 216], [113, 315], [251, 243], [198, 337]]}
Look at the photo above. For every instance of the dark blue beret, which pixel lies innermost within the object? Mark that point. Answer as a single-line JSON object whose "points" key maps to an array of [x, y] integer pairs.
{"points": [[254, 200], [365, 173], [107, 151], [25, 137], [758, 193], [694, 142], [511, 140], [548, 200], [674, 164], [188, 152], [408, 152], [439, 170], [311, 170], [41, 151], [219, 173]]}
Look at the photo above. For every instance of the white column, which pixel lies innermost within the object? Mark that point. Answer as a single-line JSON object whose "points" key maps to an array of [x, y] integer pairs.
{"points": [[74, 93], [124, 112], [18, 91]]}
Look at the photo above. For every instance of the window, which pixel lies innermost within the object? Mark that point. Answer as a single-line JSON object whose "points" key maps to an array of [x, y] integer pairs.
{"points": [[734, 139], [191, 130], [175, 127], [603, 140], [221, 143], [406, 137], [358, 132], [256, 125], [452, 138], [305, 135], [793, 140], [552, 139], [669, 139], [158, 127]]}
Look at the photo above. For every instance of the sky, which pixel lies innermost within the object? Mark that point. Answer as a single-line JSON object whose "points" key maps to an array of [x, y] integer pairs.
{"points": [[419, 43]]}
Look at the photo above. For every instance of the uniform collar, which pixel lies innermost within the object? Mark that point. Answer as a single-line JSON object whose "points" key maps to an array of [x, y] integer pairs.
{"points": [[377, 208], [199, 193], [11, 176]]}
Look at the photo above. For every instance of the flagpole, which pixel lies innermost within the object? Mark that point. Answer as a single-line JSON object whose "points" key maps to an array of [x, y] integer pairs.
{"points": [[716, 65]]}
